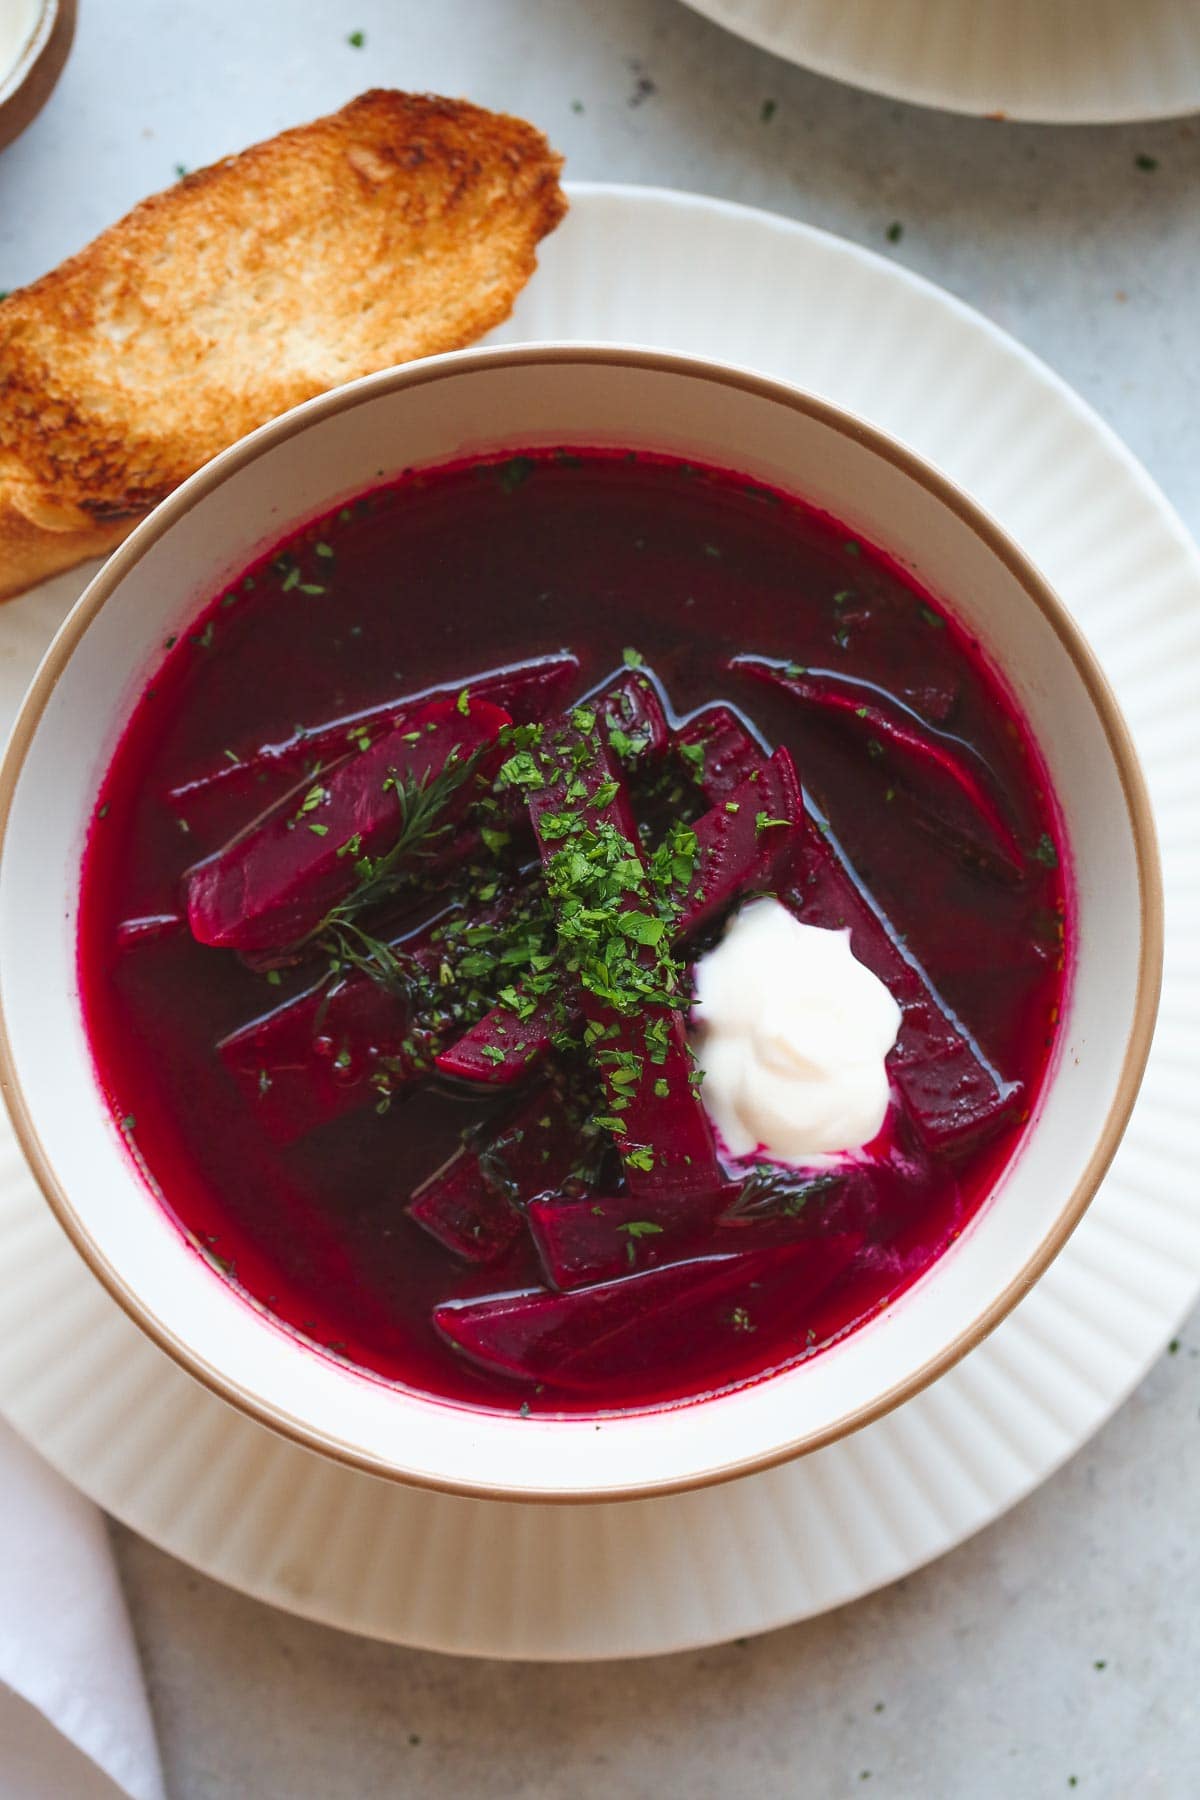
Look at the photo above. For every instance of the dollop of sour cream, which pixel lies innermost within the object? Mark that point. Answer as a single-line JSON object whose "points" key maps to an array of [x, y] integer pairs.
{"points": [[791, 1031]]}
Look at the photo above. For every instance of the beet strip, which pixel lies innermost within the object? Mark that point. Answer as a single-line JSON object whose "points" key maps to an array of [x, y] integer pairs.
{"points": [[586, 1339], [275, 882], [744, 843], [947, 780], [341, 1046], [327, 1053], [720, 752], [661, 1129], [950, 1087], [602, 1237], [472, 1204], [634, 720], [527, 691], [733, 856]]}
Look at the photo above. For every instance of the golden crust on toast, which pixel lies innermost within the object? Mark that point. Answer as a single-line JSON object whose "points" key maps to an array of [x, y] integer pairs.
{"points": [[399, 227]]}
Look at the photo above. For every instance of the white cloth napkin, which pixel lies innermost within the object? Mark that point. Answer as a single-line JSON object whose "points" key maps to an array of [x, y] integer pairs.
{"points": [[74, 1719]]}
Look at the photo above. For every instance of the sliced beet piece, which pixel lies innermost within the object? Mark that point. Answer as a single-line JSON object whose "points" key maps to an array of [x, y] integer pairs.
{"points": [[744, 843], [354, 1041], [275, 882], [732, 856], [149, 928], [951, 1090], [326, 1053], [338, 1048], [465, 1215], [263, 772], [503, 1046], [947, 780], [601, 1237], [659, 1124], [665, 1136], [635, 721], [872, 1195], [472, 1204], [720, 751], [587, 1339]]}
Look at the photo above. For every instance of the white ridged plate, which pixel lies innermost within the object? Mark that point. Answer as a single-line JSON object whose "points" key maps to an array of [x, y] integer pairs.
{"points": [[1064, 62], [121, 1421]]}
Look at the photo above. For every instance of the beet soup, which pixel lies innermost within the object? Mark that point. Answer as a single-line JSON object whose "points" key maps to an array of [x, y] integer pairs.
{"points": [[411, 863]]}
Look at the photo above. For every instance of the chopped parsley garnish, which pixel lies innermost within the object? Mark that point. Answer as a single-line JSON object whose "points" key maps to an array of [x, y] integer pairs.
{"points": [[521, 770], [637, 1228], [1045, 852]]}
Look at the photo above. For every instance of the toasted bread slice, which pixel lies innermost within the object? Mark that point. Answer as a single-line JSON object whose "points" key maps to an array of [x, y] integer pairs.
{"points": [[401, 226]]}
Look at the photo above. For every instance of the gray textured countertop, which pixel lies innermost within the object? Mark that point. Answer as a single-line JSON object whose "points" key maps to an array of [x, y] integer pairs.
{"points": [[1059, 1651]]}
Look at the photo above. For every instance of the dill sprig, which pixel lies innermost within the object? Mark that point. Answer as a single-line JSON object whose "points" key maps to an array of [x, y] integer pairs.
{"points": [[770, 1191], [351, 946], [422, 802]]}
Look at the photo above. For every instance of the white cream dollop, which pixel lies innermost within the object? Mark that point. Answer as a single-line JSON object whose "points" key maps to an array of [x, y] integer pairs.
{"points": [[791, 1031]]}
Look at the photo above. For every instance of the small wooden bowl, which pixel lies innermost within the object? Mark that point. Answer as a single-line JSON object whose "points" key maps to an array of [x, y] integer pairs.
{"points": [[25, 89]]}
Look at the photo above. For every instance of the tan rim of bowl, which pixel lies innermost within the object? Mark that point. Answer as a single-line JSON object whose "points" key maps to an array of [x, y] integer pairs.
{"points": [[1149, 874], [32, 79]]}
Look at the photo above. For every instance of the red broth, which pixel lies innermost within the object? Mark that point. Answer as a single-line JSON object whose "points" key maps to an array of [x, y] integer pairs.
{"points": [[431, 583]]}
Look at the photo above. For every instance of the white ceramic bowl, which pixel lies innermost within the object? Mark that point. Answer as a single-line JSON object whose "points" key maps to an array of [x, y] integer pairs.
{"points": [[338, 445]]}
